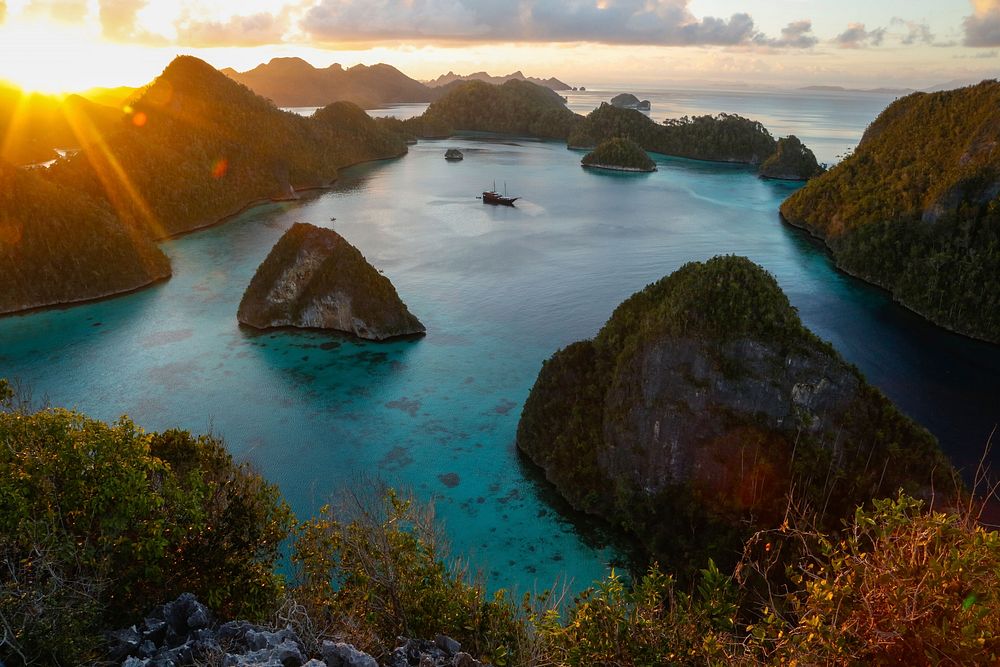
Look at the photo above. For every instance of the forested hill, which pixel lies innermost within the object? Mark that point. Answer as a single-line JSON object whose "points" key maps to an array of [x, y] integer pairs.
{"points": [[916, 210], [58, 245], [721, 138], [516, 107], [198, 146], [292, 82]]}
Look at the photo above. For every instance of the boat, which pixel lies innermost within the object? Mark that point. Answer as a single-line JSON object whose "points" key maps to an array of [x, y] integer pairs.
{"points": [[494, 197], [453, 154]]}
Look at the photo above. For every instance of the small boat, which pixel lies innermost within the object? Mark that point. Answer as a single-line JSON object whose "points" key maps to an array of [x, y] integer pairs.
{"points": [[453, 154], [494, 197]]}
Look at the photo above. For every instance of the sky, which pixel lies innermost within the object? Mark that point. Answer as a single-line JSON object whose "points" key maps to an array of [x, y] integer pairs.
{"points": [[65, 45]]}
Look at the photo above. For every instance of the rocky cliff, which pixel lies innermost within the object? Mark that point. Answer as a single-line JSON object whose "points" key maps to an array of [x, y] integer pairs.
{"points": [[702, 403], [313, 278], [916, 208]]}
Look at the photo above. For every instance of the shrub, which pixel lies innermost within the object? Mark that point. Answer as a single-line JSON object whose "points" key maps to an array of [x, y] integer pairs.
{"points": [[99, 522]]}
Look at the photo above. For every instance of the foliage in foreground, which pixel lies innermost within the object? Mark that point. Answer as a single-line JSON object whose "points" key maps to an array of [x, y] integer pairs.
{"points": [[99, 522]]}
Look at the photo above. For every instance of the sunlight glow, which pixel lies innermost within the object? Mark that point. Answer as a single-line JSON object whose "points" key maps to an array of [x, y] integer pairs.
{"points": [[51, 57]]}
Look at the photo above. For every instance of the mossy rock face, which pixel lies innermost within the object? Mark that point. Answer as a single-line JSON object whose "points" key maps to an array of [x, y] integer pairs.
{"points": [[916, 208], [314, 279], [620, 154], [701, 402]]}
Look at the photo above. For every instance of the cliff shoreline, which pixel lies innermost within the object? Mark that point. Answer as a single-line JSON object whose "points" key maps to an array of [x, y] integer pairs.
{"points": [[832, 256]]}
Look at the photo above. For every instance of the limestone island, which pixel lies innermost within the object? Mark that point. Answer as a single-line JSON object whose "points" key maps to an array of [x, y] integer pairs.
{"points": [[701, 402], [629, 101], [314, 279], [791, 161], [619, 154]]}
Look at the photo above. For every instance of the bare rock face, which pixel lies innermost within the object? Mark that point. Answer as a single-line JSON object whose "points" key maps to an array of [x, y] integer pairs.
{"points": [[314, 279]]}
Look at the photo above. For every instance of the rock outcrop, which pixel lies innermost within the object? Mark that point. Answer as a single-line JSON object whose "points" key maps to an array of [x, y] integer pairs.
{"points": [[792, 161], [699, 406], [182, 634], [916, 208], [314, 279]]}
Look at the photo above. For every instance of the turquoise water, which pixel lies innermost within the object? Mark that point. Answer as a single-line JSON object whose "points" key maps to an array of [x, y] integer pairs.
{"points": [[499, 289]]}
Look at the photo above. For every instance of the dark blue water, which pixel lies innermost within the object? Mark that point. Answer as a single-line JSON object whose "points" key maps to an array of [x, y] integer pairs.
{"points": [[499, 289]]}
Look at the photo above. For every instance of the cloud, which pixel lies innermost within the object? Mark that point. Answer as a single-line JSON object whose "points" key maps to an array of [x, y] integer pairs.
{"points": [[253, 30], [795, 35], [982, 28], [118, 17], [654, 22], [67, 11], [857, 37], [3, 11], [916, 33]]}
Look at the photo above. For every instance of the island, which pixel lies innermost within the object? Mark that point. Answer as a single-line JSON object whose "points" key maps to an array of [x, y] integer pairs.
{"points": [[315, 279], [193, 149], [453, 154], [701, 402], [515, 107], [720, 138], [629, 101], [915, 209], [619, 154], [293, 82], [791, 161], [551, 83]]}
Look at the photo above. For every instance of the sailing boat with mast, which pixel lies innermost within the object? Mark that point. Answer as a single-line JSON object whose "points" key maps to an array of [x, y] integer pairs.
{"points": [[494, 197]]}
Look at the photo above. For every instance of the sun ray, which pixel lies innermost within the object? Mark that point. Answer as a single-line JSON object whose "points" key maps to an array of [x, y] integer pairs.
{"points": [[122, 193]]}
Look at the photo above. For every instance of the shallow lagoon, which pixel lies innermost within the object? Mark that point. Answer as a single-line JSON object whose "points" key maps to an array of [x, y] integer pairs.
{"points": [[499, 289]]}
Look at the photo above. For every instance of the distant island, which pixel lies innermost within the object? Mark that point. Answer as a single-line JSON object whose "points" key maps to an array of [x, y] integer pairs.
{"points": [[293, 82], [551, 83], [619, 154], [701, 402], [315, 279], [721, 138], [520, 107], [629, 101], [915, 209], [841, 89]]}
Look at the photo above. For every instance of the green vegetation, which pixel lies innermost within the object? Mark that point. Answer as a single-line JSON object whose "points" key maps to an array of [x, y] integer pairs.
{"points": [[58, 245], [100, 522], [619, 153], [707, 332], [194, 148], [200, 146], [722, 138], [516, 107], [792, 161], [915, 209]]}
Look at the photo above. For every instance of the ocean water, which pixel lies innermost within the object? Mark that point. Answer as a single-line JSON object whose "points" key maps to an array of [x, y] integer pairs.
{"points": [[830, 123], [499, 290]]}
